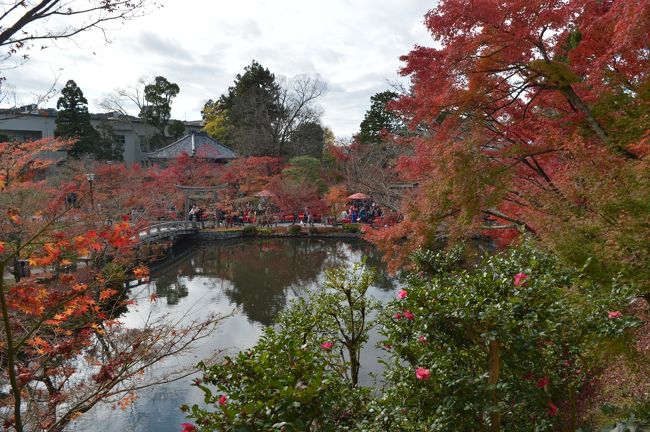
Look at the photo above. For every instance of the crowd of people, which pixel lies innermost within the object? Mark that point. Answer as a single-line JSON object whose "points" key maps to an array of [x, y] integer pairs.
{"points": [[361, 212], [367, 212]]}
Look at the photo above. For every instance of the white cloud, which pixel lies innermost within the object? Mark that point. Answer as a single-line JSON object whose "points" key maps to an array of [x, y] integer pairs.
{"points": [[354, 45]]}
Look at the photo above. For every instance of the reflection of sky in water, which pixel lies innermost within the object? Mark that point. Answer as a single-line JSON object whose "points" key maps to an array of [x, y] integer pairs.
{"points": [[256, 279]]}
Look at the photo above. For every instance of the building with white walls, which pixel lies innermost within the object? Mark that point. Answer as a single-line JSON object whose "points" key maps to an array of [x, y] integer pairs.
{"points": [[31, 123]]}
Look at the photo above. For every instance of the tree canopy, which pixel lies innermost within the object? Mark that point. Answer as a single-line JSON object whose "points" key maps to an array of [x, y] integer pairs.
{"points": [[266, 116], [73, 121], [531, 115], [157, 110], [379, 119]]}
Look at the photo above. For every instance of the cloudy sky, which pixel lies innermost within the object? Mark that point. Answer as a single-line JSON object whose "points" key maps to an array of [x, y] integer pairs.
{"points": [[354, 45]]}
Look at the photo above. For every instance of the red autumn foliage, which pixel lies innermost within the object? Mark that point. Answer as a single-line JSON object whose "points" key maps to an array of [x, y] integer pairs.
{"points": [[61, 324], [528, 115]]}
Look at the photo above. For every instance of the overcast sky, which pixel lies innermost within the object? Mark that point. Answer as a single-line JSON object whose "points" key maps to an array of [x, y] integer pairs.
{"points": [[354, 45]]}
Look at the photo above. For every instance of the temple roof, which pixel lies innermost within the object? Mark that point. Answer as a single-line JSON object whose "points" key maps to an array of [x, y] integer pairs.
{"points": [[196, 144]]}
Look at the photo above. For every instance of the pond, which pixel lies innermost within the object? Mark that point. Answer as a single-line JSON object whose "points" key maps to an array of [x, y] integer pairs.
{"points": [[255, 278]]}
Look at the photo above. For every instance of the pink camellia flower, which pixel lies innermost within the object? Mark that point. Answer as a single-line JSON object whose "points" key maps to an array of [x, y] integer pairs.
{"points": [[543, 382], [552, 409], [397, 316], [223, 399], [409, 315], [520, 279], [327, 345], [402, 294], [614, 314], [422, 339], [422, 373], [188, 427]]}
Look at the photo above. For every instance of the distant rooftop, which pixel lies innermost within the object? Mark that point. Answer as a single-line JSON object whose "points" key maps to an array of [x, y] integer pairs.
{"points": [[196, 144]]}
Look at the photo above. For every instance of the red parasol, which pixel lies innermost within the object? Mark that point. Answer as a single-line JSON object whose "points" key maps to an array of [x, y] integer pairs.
{"points": [[358, 196]]}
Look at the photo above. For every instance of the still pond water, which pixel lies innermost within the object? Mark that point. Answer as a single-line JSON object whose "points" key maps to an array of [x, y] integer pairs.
{"points": [[257, 278]]}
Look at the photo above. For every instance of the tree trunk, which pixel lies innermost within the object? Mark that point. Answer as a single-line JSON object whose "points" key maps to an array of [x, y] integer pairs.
{"points": [[579, 105], [11, 356], [354, 365]]}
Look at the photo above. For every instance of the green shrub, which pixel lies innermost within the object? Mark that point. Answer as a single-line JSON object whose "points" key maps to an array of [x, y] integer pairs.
{"points": [[249, 231], [507, 342], [352, 228], [297, 377], [282, 383], [294, 230], [265, 231]]}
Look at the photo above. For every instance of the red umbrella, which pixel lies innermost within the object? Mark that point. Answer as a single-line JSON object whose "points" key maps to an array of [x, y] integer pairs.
{"points": [[265, 194], [358, 196]]}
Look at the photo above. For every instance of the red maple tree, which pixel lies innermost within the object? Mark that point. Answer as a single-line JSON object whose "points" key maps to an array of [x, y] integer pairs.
{"points": [[62, 345], [530, 115]]}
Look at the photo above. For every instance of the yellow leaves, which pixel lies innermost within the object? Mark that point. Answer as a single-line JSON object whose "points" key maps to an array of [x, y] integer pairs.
{"points": [[75, 415], [97, 329], [13, 215], [556, 73]]}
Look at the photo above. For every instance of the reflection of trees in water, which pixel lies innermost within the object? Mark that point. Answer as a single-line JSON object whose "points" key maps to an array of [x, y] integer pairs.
{"points": [[374, 259], [262, 272]]}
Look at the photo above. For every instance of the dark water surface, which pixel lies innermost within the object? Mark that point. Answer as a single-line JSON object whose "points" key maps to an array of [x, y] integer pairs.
{"points": [[256, 278]]}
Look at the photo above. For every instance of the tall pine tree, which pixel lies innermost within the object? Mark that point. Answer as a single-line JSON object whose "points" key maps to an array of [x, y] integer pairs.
{"points": [[73, 121]]}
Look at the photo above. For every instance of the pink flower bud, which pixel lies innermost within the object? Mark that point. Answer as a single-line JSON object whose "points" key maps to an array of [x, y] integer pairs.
{"points": [[402, 294], [520, 279], [223, 400], [614, 314], [188, 427], [422, 373], [327, 345]]}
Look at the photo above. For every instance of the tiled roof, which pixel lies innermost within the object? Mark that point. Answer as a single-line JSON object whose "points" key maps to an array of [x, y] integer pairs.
{"points": [[196, 144]]}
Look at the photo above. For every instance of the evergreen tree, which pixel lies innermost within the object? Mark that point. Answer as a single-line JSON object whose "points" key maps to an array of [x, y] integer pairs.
{"points": [[379, 119], [73, 120], [176, 129], [251, 109], [308, 139], [108, 148], [157, 111]]}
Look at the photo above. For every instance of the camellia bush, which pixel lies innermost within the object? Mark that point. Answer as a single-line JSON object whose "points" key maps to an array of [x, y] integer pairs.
{"points": [[283, 383], [302, 375], [505, 345]]}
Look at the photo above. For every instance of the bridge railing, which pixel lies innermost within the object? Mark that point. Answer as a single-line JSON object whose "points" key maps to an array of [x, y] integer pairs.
{"points": [[164, 228]]}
